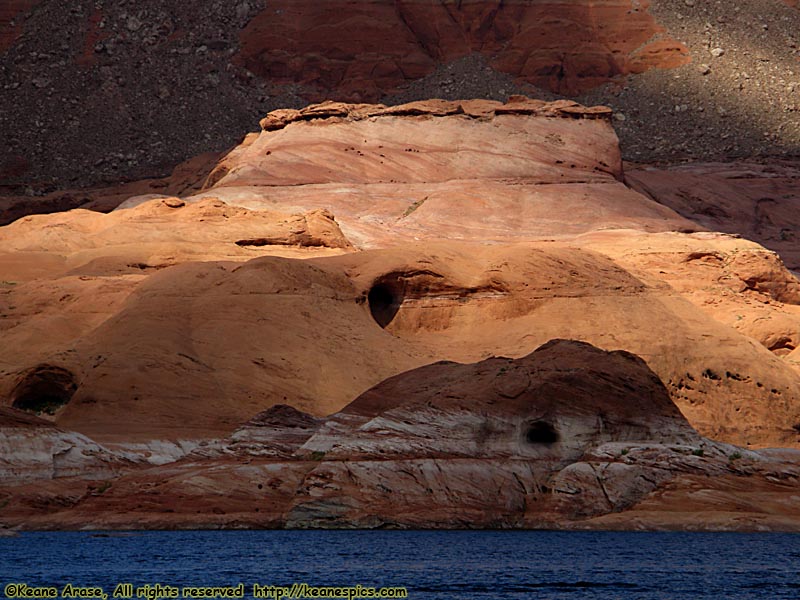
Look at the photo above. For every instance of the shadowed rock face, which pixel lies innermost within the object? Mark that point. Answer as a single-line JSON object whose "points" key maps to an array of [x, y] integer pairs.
{"points": [[43, 389], [186, 178], [278, 431], [361, 50], [550, 405], [498, 442], [444, 439], [567, 436], [759, 202]]}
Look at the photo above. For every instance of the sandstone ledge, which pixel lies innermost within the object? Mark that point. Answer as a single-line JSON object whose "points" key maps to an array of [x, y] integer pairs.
{"points": [[477, 109]]}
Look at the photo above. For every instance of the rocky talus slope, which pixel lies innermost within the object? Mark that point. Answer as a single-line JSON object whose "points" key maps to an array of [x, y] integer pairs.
{"points": [[135, 89], [350, 323]]}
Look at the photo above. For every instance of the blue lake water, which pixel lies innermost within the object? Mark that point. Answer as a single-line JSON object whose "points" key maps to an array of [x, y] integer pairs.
{"points": [[432, 565]]}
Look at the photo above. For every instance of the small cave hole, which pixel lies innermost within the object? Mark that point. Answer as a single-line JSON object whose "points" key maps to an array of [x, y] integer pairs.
{"points": [[44, 389], [782, 346], [385, 298], [541, 432]]}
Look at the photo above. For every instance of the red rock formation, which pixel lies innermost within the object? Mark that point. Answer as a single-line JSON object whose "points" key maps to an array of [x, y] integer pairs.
{"points": [[308, 332], [277, 432], [569, 436], [758, 201], [160, 287], [344, 245], [519, 167], [360, 51]]}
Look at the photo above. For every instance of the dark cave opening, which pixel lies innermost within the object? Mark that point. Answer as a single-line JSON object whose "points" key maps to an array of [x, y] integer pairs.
{"points": [[385, 298], [44, 389], [541, 432]]}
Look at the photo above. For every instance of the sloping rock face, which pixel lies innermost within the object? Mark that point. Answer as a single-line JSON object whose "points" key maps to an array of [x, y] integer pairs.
{"points": [[193, 350], [360, 50], [278, 432], [550, 406], [162, 231], [534, 292], [525, 169], [757, 201], [186, 178], [566, 436], [735, 281], [32, 449]]}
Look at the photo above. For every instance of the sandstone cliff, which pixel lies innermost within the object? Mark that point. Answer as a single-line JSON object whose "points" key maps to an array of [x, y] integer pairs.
{"points": [[334, 255], [568, 436]]}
